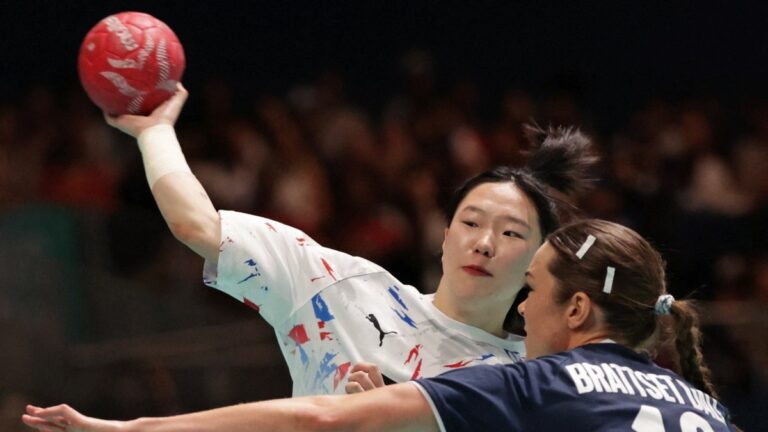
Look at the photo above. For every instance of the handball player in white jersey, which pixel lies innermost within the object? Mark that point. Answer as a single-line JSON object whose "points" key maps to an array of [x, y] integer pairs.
{"points": [[331, 311]]}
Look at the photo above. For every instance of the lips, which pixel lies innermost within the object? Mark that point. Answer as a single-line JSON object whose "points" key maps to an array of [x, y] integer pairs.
{"points": [[477, 271]]}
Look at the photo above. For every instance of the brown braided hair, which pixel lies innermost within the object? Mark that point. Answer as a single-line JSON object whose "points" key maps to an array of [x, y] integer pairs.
{"points": [[688, 340]]}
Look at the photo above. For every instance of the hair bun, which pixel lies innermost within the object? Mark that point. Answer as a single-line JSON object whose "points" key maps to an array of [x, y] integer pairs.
{"points": [[561, 157]]}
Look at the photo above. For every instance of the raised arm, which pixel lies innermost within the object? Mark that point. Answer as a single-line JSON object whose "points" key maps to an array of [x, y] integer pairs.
{"points": [[181, 198], [399, 407]]}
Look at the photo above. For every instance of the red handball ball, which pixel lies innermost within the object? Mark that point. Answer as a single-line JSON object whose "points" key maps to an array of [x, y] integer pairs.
{"points": [[129, 63]]}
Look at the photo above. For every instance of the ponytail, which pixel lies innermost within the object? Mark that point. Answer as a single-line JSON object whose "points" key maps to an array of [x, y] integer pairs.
{"points": [[638, 311], [688, 340]]}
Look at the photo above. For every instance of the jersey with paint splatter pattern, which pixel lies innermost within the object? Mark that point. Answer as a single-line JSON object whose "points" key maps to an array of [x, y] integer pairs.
{"points": [[331, 310]]}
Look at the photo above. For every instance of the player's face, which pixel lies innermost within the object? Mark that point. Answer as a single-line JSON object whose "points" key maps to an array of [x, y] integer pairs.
{"points": [[489, 244], [546, 326]]}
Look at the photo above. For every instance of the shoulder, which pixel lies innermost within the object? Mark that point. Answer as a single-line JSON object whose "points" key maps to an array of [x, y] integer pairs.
{"points": [[494, 388], [255, 235]]}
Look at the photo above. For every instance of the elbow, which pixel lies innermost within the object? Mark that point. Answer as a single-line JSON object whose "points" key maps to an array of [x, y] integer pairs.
{"points": [[322, 422], [186, 233], [324, 415], [199, 235]]}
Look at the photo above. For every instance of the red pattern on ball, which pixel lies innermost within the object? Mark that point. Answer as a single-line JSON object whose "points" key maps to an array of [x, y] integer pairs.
{"points": [[130, 62]]}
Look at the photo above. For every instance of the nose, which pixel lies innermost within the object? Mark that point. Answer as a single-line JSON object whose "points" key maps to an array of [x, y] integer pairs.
{"points": [[521, 308], [484, 245]]}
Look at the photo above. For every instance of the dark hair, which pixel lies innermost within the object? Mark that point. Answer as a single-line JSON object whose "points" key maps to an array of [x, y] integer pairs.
{"points": [[638, 281], [559, 162]]}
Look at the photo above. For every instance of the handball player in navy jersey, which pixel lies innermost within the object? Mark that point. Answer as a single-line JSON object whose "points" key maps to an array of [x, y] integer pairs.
{"points": [[597, 306]]}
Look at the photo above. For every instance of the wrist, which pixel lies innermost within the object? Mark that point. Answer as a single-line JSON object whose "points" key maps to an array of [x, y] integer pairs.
{"points": [[109, 426], [141, 424], [161, 152], [147, 131]]}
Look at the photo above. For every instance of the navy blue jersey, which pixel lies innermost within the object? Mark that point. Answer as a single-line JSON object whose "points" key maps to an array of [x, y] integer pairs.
{"points": [[596, 387]]}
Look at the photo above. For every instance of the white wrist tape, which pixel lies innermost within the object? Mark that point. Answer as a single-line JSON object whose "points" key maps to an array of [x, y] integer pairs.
{"points": [[161, 152]]}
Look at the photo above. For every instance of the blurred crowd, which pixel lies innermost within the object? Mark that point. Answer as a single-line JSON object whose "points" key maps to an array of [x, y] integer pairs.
{"points": [[690, 174]]}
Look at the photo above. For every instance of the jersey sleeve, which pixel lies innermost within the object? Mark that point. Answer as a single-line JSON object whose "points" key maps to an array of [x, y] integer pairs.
{"points": [[479, 398], [275, 268]]}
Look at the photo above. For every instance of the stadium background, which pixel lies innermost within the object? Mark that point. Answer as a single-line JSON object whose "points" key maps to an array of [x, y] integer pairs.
{"points": [[353, 122]]}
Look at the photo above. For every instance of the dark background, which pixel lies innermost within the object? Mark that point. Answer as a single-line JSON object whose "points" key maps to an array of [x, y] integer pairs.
{"points": [[613, 54]]}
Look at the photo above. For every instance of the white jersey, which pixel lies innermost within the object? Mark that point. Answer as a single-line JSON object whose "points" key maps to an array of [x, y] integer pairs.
{"points": [[331, 310]]}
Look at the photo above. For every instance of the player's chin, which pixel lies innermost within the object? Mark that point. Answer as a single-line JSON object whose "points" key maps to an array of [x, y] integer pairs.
{"points": [[482, 294]]}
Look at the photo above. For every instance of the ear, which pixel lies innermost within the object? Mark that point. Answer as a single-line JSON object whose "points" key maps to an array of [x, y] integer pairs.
{"points": [[580, 311]]}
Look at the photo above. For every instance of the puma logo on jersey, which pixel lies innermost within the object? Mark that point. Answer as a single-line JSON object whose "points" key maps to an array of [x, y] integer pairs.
{"points": [[372, 318]]}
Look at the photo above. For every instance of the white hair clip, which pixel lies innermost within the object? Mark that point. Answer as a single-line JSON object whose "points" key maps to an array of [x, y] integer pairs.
{"points": [[608, 285], [664, 304], [585, 247]]}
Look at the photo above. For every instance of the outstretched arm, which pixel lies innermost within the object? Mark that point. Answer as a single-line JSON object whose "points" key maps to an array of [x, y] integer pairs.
{"points": [[181, 198], [394, 408]]}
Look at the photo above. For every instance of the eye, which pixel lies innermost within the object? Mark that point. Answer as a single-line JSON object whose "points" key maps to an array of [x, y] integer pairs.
{"points": [[514, 234], [470, 223]]}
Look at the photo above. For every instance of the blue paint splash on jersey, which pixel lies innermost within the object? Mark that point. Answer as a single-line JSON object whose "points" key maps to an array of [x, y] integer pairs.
{"points": [[254, 273], [321, 309], [396, 296], [304, 356], [325, 369], [404, 316], [514, 355], [486, 356]]}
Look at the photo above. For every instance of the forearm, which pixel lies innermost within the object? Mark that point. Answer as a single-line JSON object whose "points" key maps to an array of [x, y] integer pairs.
{"points": [[301, 414], [179, 195]]}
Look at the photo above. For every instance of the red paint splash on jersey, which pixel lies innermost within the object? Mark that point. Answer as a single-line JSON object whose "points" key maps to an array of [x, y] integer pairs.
{"points": [[299, 334], [269, 225], [328, 268], [302, 241], [251, 304], [326, 335], [221, 245], [458, 364], [414, 353], [417, 371], [321, 324], [341, 372], [316, 278]]}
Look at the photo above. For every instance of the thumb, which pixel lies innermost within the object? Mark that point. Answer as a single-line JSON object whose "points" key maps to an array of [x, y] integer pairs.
{"points": [[169, 110]]}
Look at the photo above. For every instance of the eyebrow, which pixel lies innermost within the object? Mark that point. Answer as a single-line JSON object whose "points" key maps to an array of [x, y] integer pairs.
{"points": [[511, 218]]}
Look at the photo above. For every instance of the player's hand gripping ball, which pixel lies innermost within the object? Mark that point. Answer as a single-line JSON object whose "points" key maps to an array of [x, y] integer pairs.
{"points": [[130, 62]]}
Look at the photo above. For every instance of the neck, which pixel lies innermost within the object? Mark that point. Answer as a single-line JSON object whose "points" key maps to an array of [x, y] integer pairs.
{"points": [[579, 339], [488, 317]]}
